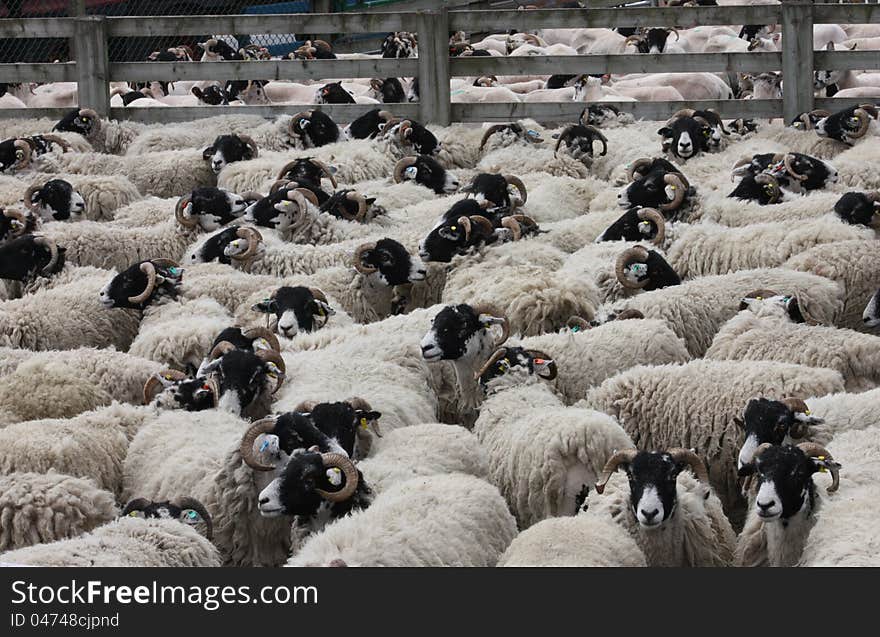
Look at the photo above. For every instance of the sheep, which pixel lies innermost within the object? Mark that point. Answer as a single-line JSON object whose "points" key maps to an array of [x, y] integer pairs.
{"points": [[442, 520], [105, 136], [674, 517], [126, 542], [696, 309], [40, 508], [785, 505], [850, 263], [542, 455], [586, 357], [735, 213], [201, 133], [769, 334], [582, 540], [65, 384], [844, 412], [91, 445], [66, 317], [845, 533], [706, 249], [694, 404]]}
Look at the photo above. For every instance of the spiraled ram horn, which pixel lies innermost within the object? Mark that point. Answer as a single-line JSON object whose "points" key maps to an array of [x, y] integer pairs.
{"points": [[25, 149], [344, 464], [496, 356], [150, 270], [185, 503], [254, 333], [636, 167], [357, 261], [491, 131], [815, 450], [864, 121], [654, 216], [511, 224], [515, 181], [253, 238], [790, 169], [674, 181], [271, 356], [325, 169], [496, 319], [50, 245], [153, 383], [361, 202], [306, 406], [552, 370], [769, 180], [220, 350], [28, 197], [246, 449], [636, 254], [65, 145], [679, 454], [401, 166], [621, 457], [182, 218]]}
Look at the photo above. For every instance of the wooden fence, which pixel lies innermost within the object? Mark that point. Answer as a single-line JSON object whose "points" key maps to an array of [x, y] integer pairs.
{"points": [[92, 70]]}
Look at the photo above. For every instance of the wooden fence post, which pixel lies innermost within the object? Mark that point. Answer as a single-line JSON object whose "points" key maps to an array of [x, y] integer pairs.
{"points": [[92, 64], [797, 57], [433, 32]]}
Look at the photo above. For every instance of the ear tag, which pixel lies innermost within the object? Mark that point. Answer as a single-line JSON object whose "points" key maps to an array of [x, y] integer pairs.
{"points": [[539, 361], [192, 515], [334, 475], [264, 445], [639, 269], [364, 423], [576, 328], [411, 172], [206, 387], [453, 228], [532, 133], [133, 514], [672, 188]]}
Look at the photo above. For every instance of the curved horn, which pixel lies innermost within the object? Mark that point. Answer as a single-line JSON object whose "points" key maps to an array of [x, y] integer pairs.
{"points": [[306, 406], [679, 454], [261, 332], [182, 219], [864, 122], [250, 143], [271, 356], [499, 320], [25, 149], [357, 261], [253, 238], [404, 128], [251, 195], [198, 507], [653, 215], [678, 185], [50, 245], [633, 39], [465, 223], [515, 181], [318, 294], [675, 31], [301, 196], [796, 405], [65, 146], [628, 257], [325, 169], [484, 224], [790, 169], [629, 314], [402, 165], [344, 464], [28, 197], [684, 112], [153, 383], [637, 166], [496, 356], [282, 174], [553, 371], [279, 184], [246, 449], [90, 113], [361, 202], [220, 349], [20, 217], [564, 136], [624, 456], [601, 138], [491, 131], [150, 270], [815, 450], [137, 504], [510, 223], [577, 323]]}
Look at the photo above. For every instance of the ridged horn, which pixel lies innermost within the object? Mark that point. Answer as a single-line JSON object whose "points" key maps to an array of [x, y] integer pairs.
{"points": [[401, 166], [653, 215], [680, 454], [552, 370], [246, 449], [517, 183], [620, 457], [357, 261], [150, 270], [636, 254], [344, 464], [182, 219], [253, 238], [153, 383], [194, 505], [675, 181], [815, 450]]}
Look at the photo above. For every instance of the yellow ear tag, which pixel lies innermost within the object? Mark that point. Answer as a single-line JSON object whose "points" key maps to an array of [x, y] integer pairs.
{"points": [[452, 227], [808, 412], [672, 187], [823, 470], [364, 423]]}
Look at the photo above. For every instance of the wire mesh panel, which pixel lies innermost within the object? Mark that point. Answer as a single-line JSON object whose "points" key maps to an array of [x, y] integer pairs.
{"points": [[34, 49]]}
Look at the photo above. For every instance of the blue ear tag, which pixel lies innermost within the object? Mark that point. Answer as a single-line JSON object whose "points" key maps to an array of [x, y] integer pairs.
{"points": [[532, 133], [576, 328], [192, 515], [411, 172], [264, 445]]}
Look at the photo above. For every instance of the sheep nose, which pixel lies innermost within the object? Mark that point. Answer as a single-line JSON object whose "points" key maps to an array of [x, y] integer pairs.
{"points": [[766, 505], [649, 515], [264, 501]]}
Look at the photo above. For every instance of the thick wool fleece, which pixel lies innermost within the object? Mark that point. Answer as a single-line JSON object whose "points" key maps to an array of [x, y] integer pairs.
{"points": [[124, 543], [582, 540], [697, 533], [693, 406], [541, 454], [696, 309], [440, 520], [586, 358], [39, 508], [749, 337], [844, 412], [423, 450], [91, 445]]}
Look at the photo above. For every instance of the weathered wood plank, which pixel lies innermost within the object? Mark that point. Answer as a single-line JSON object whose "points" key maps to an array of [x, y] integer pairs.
{"points": [[831, 61], [15, 73], [434, 68], [263, 70], [846, 13], [569, 111], [576, 18], [36, 28], [341, 113], [33, 113], [641, 63], [797, 57], [93, 68], [274, 24], [835, 104]]}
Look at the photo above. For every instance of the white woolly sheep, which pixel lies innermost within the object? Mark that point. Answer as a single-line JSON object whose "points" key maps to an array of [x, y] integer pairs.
{"points": [[694, 405], [581, 540], [127, 542], [440, 520], [40, 508]]}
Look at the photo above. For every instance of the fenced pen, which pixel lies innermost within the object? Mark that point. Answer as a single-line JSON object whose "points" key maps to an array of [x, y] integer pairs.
{"points": [[91, 67]]}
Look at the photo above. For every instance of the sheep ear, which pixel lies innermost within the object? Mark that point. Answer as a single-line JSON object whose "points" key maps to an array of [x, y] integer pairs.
{"points": [[319, 308], [452, 233], [665, 132], [206, 154], [794, 311], [266, 306]]}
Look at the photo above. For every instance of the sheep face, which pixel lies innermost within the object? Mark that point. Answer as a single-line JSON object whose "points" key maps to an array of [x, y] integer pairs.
{"points": [[462, 226], [781, 306], [761, 188], [457, 332], [426, 171], [188, 511], [242, 376], [213, 95], [685, 137], [653, 190], [512, 366], [784, 477], [847, 125], [399, 44], [859, 208], [26, 257], [387, 91], [227, 149], [141, 283], [391, 263], [871, 316], [367, 126], [79, 121], [420, 138], [770, 421], [652, 484], [315, 130], [296, 310], [215, 248], [308, 171], [333, 93], [58, 201], [633, 225], [214, 207]]}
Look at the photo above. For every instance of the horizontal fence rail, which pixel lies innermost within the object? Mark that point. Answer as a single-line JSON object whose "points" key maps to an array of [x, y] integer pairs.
{"points": [[93, 71]]}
